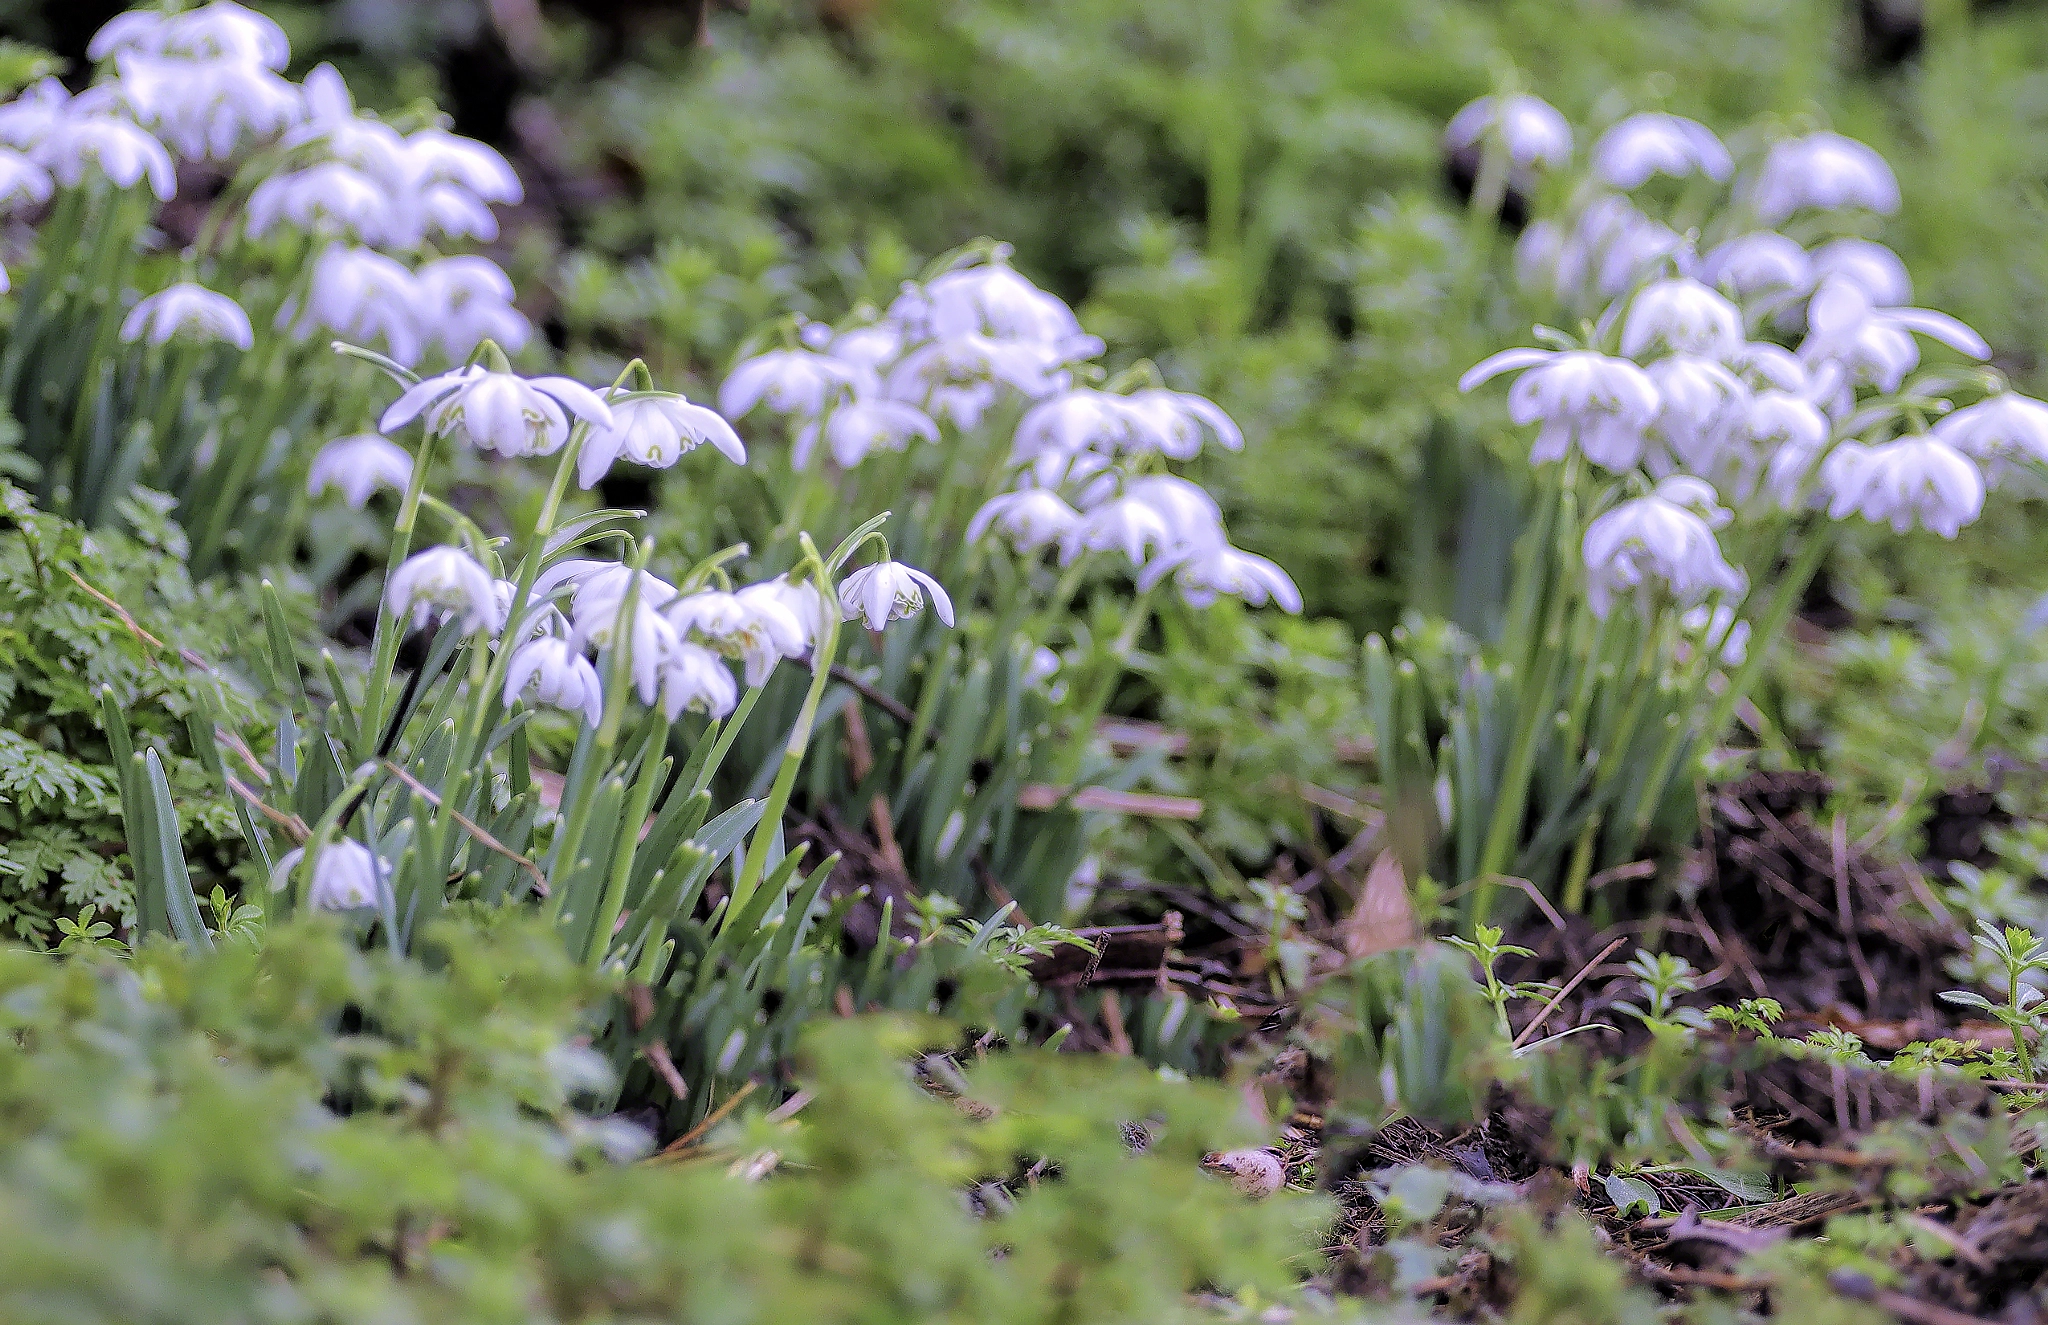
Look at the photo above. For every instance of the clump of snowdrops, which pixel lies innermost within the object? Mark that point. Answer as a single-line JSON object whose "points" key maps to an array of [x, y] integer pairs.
{"points": [[186, 234], [1746, 371]]}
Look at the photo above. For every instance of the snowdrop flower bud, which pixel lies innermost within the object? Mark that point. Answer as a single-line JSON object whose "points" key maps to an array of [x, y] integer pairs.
{"points": [[854, 428], [1189, 512], [222, 30], [695, 679], [1765, 262], [1219, 569], [1721, 630], [189, 310], [438, 156], [654, 429], [365, 297], [1124, 524], [445, 579], [1918, 478], [358, 466], [1999, 430], [1529, 127], [1031, 517], [1602, 405], [1644, 145], [346, 876], [1178, 420], [205, 108], [1680, 315], [23, 183], [1703, 405], [326, 199], [891, 591], [464, 301], [1825, 171], [1871, 267], [500, 412], [800, 382], [756, 628], [1667, 536], [559, 675], [119, 149]]}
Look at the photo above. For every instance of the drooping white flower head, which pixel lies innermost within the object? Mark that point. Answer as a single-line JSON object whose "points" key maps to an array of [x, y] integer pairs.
{"points": [[1681, 316], [445, 579], [992, 300], [1666, 537], [109, 145], [599, 612], [1918, 478], [891, 591], [436, 156], [1876, 344], [345, 875], [1999, 431], [362, 141], [1189, 513], [23, 183], [800, 598], [358, 466], [852, 429], [364, 296], [221, 30], [463, 301], [1602, 405], [654, 429], [447, 211], [755, 628], [1783, 418], [1824, 171], [1872, 267], [1531, 129], [1761, 263], [874, 345], [1220, 570], [961, 376], [34, 114], [500, 412], [1640, 146], [207, 108], [1123, 524], [696, 680], [1180, 420], [1082, 418], [559, 674], [1032, 518], [1618, 247], [188, 310], [1703, 407], [1719, 630], [800, 382], [325, 199], [1763, 365]]}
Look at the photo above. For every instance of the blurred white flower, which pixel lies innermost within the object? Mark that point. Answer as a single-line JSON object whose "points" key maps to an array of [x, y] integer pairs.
{"points": [[1763, 365], [1824, 171], [500, 412], [758, 628], [654, 429], [1180, 420], [362, 141], [871, 346], [994, 301], [345, 875], [1076, 420], [1998, 431], [1205, 573], [1667, 536], [327, 199], [437, 156], [358, 466], [445, 579], [121, 150], [890, 591], [1683, 316], [855, 427], [464, 301], [1189, 513], [799, 382], [1600, 404], [34, 114], [1719, 630], [961, 376], [694, 679], [1531, 129], [1917, 478], [1628, 154], [1872, 267], [599, 612], [1764, 262], [221, 30], [1783, 417], [1702, 407], [559, 675], [206, 108], [189, 310], [448, 211], [800, 599], [23, 183], [363, 296], [1876, 344], [1032, 518], [1123, 524]]}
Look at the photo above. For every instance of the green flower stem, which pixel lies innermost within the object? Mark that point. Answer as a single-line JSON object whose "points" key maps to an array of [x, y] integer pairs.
{"points": [[651, 775], [1814, 546], [390, 628]]}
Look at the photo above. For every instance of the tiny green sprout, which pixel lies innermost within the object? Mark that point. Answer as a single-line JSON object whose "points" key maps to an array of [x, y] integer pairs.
{"points": [[1662, 979], [234, 922], [1485, 948], [1837, 1047], [86, 934], [933, 911], [2018, 952], [1756, 1015]]}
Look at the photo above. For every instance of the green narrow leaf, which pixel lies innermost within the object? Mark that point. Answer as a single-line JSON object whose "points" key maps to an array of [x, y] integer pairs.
{"points": [[180, 905], [283, 661]]}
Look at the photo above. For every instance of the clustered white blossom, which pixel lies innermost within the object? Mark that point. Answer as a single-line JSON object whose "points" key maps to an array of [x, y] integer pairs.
{"points": [[1684, 383]]}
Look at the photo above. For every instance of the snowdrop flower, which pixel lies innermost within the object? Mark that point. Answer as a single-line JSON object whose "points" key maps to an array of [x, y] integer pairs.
{"points": [[1628, 154], [800, 382], [1077, 420], [1765, 262], [559, 675], [464, 301], [34, 114], [1719, 628], [1871, 267], [1619, 246], [856, 427], [190, 310], [1032, 518], [205, 108], [1683, 316], [1600, 404], [1180, 420], [1784, 418], [1529, 127], [365, 296], [1917, 478], [1703, 404], [1999, 430], [445, 579], [871, 346], [326, 199], [222, 30], [346, 875], [1667, 536], [500, 412], [1219, 569], [959, 377], [891, 591], [361, 141], [1844, 326], [446, 211], [1189, 513], [599, 612], [1124, 524], [695, 679], [121, 150], [440, 157], [358, 466], [1043, 667], [1762, 364], [1824, 171], [654, 429], [23, 183], [800, 599], [757, 629], [991, 300]]}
